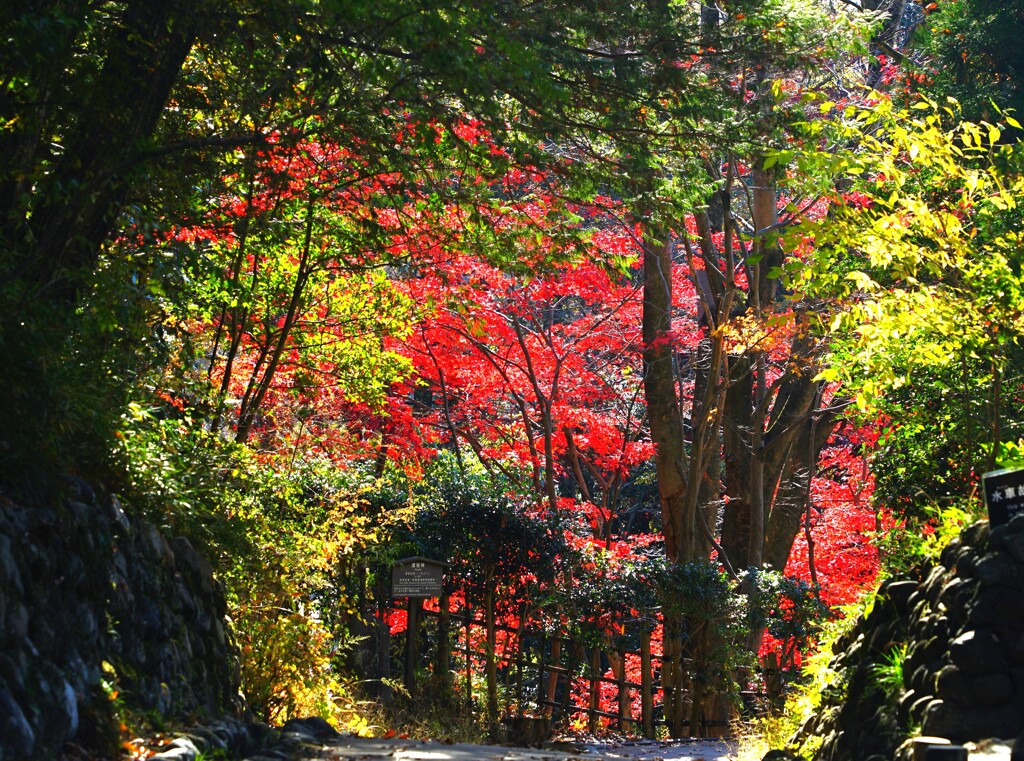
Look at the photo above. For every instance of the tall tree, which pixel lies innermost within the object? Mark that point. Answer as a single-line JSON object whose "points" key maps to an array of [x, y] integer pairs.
{"points": [[118, 118]]}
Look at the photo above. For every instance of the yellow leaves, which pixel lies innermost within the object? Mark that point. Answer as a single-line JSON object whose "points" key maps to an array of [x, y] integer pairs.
{"points": [[1002, 201], [841, 322], [948, 223], [981, 137], [924, 255], [969, 136], [748, 332], [138, 413], [865, 396], [359, 726], [862, 281]]}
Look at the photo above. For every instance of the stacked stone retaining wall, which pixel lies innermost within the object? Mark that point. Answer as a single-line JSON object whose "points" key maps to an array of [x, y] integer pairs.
{"points": [[100, 612], [940, 653]]}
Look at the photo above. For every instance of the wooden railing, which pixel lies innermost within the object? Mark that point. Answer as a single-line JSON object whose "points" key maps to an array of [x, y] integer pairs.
{"points": [[542, 672]]}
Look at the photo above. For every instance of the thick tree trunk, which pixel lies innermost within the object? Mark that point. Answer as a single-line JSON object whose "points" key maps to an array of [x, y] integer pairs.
{"points": [[673, 678], [118, 115], [792, 410], [766, 217], [663, 409], [698, 666], [705, 475], [791, 503], [738, 421]]}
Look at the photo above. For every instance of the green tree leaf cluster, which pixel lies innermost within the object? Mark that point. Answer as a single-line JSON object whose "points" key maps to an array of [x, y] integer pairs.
{"points": [[922, 257], [970, 51]]}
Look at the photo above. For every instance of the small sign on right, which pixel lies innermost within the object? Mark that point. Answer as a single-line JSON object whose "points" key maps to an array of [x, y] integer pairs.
{"points": [[1004, 494]]}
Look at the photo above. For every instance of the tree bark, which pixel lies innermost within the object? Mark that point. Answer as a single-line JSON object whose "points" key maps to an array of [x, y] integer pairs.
{"points": [[784, 520], [738, 421], [118, 115], [663, 410]]}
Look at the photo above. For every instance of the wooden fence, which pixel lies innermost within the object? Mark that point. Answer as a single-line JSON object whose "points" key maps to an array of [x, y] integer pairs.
{"points": [[551, 677]]}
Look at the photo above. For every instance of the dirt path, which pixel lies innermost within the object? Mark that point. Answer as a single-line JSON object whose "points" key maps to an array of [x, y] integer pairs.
{"points": [[363, 749]]}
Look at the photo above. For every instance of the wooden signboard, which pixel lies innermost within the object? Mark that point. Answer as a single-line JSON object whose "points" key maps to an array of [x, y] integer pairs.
{"points": [[417, 577], [1004, 494]]}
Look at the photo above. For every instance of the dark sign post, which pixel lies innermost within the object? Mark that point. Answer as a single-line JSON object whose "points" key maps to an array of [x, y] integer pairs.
{"points": [[1004, 494], [416, 578]]}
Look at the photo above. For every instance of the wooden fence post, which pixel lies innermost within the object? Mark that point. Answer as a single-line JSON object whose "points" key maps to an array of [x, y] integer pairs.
{"points": [[519, 659], [444, 645], [576, 655], [469, 657], [595, 688], [552, 687], [625, 704], [646, 684], [491, 665], [773, 682], [412, 644], [541, 687]]}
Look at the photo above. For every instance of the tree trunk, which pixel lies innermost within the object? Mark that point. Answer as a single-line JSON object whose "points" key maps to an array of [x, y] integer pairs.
{"points": [[673, 680], [663, 409], [118, 115], [697, 679], [737, 424], [766, 217], [784, 521]]}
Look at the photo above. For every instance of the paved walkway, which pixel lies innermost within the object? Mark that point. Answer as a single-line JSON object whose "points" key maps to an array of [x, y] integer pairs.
{"points": [[673, 750], [364, 749]]}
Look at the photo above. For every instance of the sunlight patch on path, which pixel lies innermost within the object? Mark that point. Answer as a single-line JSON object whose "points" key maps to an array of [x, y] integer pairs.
{"points": [[363, 749], [672, 750]]}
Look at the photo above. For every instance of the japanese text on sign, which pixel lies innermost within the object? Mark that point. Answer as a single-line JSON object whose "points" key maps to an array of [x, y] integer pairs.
{"points": [[1004, 495], [417, 577]]}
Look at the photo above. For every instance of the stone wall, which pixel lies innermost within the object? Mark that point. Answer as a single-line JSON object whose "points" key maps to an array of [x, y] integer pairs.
{"points": [[92, 601], [962, 624]]}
